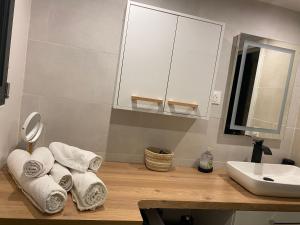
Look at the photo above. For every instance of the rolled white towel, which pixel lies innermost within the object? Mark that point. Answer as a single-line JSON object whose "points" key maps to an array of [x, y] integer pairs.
{"points": [[75, 158], [62, 176], [43, 192], [40, 163], [88, 191]]}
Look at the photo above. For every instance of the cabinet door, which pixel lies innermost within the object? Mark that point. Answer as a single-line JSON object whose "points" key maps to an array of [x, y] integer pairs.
{"points": [[147, 57], [193, 67], [252, 218], [285, 218], [266, 218]]}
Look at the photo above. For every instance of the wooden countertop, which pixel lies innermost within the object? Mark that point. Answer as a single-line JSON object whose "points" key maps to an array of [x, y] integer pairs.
{"points": [[132, 186]]}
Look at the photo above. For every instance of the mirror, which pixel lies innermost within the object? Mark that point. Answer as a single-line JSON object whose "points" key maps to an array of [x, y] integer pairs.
{"points": [[262, 72], [32, 129]]}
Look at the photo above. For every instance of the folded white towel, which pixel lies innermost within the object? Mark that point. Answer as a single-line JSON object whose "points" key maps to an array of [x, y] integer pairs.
{"points": [[62, 176], [40, 163], [88, 191], [75, 158], [43, 192]]}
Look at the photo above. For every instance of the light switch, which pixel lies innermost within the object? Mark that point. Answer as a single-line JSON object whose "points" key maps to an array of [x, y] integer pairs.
{"points": [[216, 98]]}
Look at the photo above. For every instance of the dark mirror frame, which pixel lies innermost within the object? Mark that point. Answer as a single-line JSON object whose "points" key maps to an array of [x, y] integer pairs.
{"points": [[6, 20]]}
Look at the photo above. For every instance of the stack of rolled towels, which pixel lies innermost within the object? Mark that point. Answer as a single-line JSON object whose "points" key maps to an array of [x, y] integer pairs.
{"points": [[46, 175]]}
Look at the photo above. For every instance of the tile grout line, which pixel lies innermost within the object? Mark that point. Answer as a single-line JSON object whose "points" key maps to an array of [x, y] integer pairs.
{"points": [[72, 47]]}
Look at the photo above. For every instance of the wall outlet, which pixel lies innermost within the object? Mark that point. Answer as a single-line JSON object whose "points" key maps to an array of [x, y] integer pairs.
{"points": [[216, 98]]}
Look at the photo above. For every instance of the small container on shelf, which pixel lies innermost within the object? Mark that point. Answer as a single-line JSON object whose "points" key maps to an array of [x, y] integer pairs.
{"points": [[206, 162], [158, 159]]}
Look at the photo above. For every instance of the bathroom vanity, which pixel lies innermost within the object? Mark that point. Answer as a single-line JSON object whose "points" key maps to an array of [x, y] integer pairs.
{"points": [[132, 187]]}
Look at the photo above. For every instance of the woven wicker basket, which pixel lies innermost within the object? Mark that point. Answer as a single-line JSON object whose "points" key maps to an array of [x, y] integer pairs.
{"points": [[158, 159]]}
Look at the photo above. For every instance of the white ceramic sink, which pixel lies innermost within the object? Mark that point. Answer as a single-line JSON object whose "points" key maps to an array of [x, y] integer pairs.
{"points": [[266, 179]]}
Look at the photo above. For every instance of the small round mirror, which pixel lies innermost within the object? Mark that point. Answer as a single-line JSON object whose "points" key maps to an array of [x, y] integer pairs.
{"points": [[32, 128]]}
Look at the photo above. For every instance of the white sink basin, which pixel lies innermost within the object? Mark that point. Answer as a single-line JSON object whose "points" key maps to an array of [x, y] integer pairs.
{"points": [[266, 179]]}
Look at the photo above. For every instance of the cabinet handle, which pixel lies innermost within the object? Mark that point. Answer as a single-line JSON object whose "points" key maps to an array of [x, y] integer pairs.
{"points": [[187, 104], [146, 99], [275, 223], [272, 222]]}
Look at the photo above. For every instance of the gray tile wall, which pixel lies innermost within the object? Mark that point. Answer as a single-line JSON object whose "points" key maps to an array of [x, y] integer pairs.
{"points": [[71, 68]]}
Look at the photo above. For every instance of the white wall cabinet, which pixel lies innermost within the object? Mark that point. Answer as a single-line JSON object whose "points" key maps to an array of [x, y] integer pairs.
{"points": [[168, 62]]}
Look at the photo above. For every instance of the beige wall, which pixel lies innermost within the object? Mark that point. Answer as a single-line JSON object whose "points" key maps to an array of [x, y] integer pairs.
{"points": [[10, 112], [71, 67]]}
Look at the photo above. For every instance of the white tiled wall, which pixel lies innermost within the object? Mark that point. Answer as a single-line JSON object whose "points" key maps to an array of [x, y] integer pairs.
{"points": [[71, 67]]}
